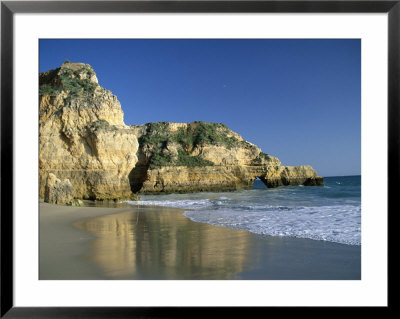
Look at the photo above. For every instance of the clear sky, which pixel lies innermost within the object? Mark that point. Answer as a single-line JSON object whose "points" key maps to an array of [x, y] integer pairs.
{"points": [[299, 100]]}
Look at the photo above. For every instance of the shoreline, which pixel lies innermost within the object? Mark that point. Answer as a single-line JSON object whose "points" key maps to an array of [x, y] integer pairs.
{"points": [[61, 243], [154, 242]]}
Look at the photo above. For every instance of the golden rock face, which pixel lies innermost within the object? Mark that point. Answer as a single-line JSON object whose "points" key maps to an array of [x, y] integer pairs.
{"points": [[235, 162], [83, 138], [225, 178]]}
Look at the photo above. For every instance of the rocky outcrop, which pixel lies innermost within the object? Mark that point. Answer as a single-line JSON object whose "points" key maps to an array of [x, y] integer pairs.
{"points": [[83, 138], [199, 156], [291, 175], [222, 178], [57, 191]]}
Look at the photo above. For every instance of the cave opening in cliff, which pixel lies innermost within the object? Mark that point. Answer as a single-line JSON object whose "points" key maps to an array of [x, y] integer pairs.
{"points": [[258, 184], [137, 176]]}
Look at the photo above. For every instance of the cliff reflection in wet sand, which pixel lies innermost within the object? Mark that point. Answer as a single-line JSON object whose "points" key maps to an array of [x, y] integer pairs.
{"points": [[160, 243]]}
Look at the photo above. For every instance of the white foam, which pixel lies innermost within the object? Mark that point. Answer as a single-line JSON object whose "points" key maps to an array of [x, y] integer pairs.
{"points": [[340, 224], [314, 213], [188, 204]]}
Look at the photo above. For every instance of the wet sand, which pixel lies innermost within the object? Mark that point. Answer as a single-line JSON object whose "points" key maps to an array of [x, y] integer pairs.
{"points": [[62, 246], [141, 242]]}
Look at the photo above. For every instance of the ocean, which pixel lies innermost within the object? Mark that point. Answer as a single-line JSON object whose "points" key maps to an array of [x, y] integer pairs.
{"points": [[329, 213]]}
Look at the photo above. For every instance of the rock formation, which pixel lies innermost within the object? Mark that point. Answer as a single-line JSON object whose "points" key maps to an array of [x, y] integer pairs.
{"points": [[57, 191], [82, 137], [199, 156]]}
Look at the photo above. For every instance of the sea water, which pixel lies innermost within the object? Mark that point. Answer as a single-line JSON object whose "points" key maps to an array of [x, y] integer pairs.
{"points": [[330, 213]]}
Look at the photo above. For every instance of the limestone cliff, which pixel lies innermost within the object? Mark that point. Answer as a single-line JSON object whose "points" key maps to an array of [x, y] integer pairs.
{"points": [[83, 138], [200, 156]]}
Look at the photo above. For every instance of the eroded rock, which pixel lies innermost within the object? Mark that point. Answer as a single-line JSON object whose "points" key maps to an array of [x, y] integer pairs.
{"points": [[200, 156], [57, 191], [83, 138]]}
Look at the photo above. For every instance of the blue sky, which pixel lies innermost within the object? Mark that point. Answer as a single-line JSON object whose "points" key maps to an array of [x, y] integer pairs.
{"points": [[299, 100]]}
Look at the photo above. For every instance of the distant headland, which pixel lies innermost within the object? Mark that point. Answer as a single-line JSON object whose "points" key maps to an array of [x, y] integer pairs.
{"points": [[86, 151]]}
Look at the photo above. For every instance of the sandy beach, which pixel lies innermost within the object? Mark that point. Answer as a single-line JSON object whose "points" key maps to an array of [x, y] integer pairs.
{"points": [[143, 242]]}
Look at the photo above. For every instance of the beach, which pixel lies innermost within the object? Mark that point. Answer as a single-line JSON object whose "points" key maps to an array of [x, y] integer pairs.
{"points": [[155, 243]]}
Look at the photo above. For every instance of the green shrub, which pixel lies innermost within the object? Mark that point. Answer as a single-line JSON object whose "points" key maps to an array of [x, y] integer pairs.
{"points": [[101, 125], [47, 89], [157, 136], [159, 160], [77, 87], [88, 70], [205, 133], [183, 138], [184, 159]]}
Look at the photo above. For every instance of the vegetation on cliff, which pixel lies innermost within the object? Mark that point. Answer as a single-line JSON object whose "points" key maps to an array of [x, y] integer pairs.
{"points": [[76, 86], [206, 133], [101, 125], [157, 139], [77, 82], [174, 148]]}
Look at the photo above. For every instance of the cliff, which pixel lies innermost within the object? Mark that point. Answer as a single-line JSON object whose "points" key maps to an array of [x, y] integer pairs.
{"points": [[83, 138], [200, 156]]}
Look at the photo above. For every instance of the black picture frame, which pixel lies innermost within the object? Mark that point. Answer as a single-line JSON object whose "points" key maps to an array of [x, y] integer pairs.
{"points": [[9, 8]]}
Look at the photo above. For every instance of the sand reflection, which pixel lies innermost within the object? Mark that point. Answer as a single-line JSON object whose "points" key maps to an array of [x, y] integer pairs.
{"points": [[160, 243]]}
